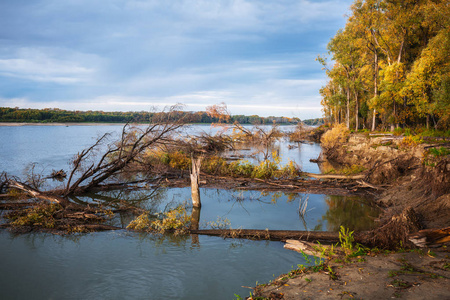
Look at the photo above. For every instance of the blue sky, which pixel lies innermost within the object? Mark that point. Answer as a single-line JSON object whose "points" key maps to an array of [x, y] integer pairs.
{"points": [[257, 56]]}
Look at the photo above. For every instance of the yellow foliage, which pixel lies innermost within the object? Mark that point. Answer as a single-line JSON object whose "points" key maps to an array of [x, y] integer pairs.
{"points": [[335, 137], [176, 220], [142, 222], [411, 141], [42, 215]]}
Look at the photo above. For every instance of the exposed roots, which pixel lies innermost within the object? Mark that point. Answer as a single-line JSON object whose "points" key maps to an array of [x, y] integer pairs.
{"points": [[394, 233]]}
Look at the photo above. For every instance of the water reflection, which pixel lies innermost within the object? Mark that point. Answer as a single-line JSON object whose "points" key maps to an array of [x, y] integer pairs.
{"points": [[347, 211], [247, 209]]}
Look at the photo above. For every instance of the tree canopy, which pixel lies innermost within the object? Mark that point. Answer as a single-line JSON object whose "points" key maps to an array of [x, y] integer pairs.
{"points": [[390, 66]]}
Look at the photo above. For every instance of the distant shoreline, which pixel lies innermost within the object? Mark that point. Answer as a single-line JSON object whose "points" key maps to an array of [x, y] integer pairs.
{"points": [[18, 124]]}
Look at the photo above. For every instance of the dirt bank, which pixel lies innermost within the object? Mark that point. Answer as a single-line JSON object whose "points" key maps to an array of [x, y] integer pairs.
{"points": [[408, 275], [411, 174]]}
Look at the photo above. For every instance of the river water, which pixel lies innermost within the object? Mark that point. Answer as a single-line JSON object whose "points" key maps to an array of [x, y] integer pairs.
{"points": [[128, 265]]}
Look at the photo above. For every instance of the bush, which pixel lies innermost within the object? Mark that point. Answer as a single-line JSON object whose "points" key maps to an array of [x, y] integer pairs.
{"points": [[335, 137], [214, 165], [241, 168], [411, 141]]}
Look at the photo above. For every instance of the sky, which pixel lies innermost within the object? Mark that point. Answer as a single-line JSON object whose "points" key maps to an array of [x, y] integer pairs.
{"points": [[256, 56]]}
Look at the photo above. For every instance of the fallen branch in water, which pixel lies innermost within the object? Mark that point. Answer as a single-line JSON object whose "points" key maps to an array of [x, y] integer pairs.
{"points": [[275, 235], [323, 176], [37, 194]]}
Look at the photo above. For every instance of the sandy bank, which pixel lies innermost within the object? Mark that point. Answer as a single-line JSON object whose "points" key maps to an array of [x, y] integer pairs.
{"points": [[409, 275]]}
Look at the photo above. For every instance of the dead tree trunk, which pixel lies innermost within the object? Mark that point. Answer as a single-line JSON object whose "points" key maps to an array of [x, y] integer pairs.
{"points": [[195, 177]]}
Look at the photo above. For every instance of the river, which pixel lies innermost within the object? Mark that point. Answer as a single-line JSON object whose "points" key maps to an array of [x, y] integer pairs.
{"points": [[128, 265]]}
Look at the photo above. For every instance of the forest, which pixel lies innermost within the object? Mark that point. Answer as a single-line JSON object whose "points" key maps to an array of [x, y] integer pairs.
{"points": [[55, 115], [390, 66]]}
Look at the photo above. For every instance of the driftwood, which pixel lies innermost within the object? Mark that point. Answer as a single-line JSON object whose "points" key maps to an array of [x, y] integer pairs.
{"points": [[302, 246], [430, 237]]}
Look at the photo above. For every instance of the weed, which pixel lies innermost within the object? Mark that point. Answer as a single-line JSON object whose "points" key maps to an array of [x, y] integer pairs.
{"points": [[392, 273], [308, 280], [220, 223], [306, 257], [398, 283], [331, 273], [346, 239], [436, 152], [324, 250]]}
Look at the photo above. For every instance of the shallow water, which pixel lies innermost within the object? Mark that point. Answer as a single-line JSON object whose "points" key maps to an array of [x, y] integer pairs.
{"points": [[123, 265]]}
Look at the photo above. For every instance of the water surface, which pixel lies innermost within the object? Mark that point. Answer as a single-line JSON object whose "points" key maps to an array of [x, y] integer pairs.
{"points": [[126, 265]]}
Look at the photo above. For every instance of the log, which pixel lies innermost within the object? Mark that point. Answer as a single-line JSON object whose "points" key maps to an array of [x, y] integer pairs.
{"points": [[274, 235], [323, 176]]}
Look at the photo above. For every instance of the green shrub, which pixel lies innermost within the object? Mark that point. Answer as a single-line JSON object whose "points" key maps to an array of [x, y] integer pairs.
{"points": [[436, 152]]}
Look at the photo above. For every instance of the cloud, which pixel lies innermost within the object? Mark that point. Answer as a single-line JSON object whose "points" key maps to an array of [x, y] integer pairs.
{"points": [[39, 65], [82, 54]]}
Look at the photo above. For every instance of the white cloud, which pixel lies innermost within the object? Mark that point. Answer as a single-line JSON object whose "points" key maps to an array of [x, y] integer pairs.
{"points": [[40, 65]]}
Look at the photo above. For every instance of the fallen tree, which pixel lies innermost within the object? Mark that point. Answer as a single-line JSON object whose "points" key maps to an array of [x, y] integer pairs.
{"points": [[275, 235]]}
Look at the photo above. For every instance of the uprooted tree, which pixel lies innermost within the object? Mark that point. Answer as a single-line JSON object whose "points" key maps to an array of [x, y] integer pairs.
{"points": [[102, 166]]}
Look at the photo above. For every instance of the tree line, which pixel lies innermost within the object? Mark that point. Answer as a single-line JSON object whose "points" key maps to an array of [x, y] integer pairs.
{"points": [[55, 115], [390, 66]]}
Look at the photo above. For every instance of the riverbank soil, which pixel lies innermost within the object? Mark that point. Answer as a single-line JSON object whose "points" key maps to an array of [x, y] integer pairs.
{"points": [[409, 275], [408, 174]]}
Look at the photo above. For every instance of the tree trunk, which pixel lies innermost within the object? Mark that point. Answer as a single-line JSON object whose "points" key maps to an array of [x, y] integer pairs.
{"points": [[348, 109], [375, 87], [195, 175], [195, 218], [374, 116], [356, 111]]}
